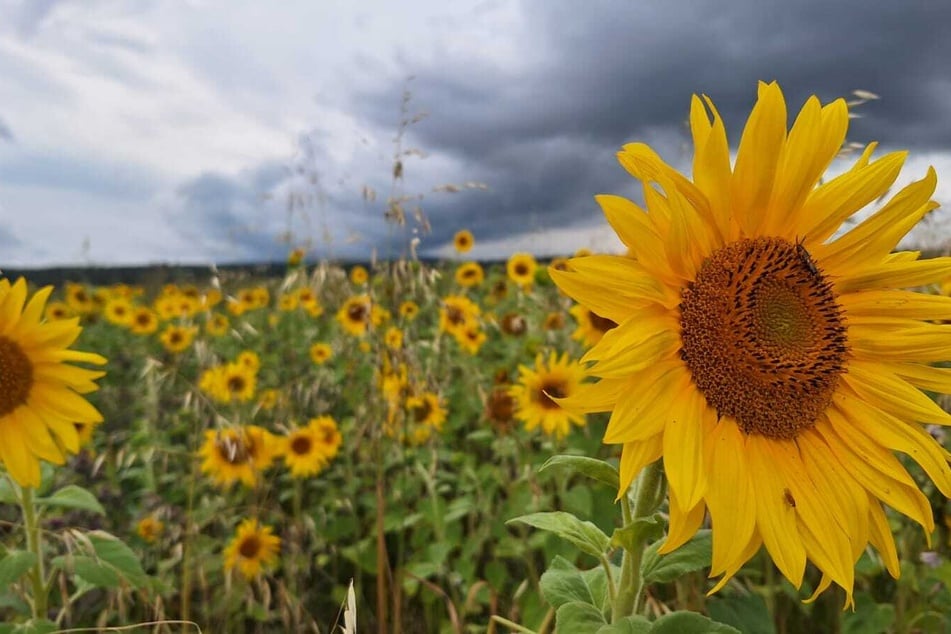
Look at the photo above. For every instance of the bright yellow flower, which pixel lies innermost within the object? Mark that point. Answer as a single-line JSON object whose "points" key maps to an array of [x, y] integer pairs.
{"points": [[521, 269], [554, 378], [463, 241], [321, 352], [393, 338], [307, 450], [58, 310], [457, 314], [145, 321], [253, 549], [217, 325], [359, 275], [763, 348], [178, 338], [150, 529], [296, 256], [409, 309], [40, 393], [469, 274], [591, 326], [237, 454], [79, 300], [358, 313]]}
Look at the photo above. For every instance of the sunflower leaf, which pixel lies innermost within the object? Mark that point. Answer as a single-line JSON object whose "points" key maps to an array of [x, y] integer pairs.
{"points": [[627, 625], [747, 613], [112, 551], [693, 555], [690, 623], [584, 535], [563, 583], [14, 565], [634, 535], [73, 497], [578, 617], [590, 467]]}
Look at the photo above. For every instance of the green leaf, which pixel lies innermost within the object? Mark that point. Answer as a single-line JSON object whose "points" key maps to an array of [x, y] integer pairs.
{"points": [[693, 555], [584, 535], [690, 623], [869, 617], [578, 618], [15, 565], [747, 613], [113, 551], [41, 626], [8, 494], [590, 467], [562, 583], [634, 535], [91, 571], [628, 625], [73, 497]]}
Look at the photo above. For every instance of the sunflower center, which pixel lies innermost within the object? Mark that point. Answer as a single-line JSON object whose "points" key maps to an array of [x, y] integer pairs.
{"points": [[250, 547], [301, 445], [233, 451], [549, 389], [763, 336], [422, 411], [16, 376], [236, 384], [357, 312], [521, 269]]}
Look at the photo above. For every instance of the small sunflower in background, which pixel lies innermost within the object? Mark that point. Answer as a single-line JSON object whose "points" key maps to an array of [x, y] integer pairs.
{"points": [[79, 299], [237, 454], [145, 321], [321, 352], [58, 310], [149, 528], [296, 257], [359, 275], [409, 309], [357, 315], [254, 549], [463, 241], [288, 302], [521, 269], [177, 339], [307, 450], [40, 394], [84, 431], [268, 399], [118, 311], [237, 382], [469, 274], [554, 321], [217, 325], [457, 313], [763, 348], [554, 378], [591, 326], [471, 338], [393, 338]]}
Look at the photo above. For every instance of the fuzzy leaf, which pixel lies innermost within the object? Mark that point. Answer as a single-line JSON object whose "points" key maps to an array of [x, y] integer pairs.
{"points": [[693, 555], [584, 535], [597, 470]]}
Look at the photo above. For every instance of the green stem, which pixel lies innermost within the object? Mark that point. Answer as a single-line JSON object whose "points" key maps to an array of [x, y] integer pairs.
{"points": [[646, 499], [515, 627], [34, 542]]}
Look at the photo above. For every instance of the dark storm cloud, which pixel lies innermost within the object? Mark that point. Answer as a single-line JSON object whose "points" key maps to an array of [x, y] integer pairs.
{"points": [[542, 131]]}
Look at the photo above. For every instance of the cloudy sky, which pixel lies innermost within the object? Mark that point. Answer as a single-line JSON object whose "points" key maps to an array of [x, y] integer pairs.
{"points": [[215, 131]]}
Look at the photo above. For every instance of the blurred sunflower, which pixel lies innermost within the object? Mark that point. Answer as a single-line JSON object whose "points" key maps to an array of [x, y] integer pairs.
{"points": [[144, 321], [307, 450], [321, 352], [238, 382], [253, 549], [356, 314], [58, 310], [554, 378], [79, 300], [554, 321], [591, 326], [409, 309], [469, 274], [288, 302], [268, 399], [40, 393], [457, 313], [393, 338], [84, 432], [217, 325], [426, 409], [250, 360], [463, 241], [149, 529], [471, 338], [177, 339], [359, 275], [766, 355], [521, 269], [296, 256], [237, 454]]}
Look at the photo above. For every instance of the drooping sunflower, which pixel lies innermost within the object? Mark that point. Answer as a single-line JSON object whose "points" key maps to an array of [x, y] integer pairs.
{"points": [[766, 352], [552, 378], [253, 549], [237, 454], [521, 269], [463, 241], [40, 392], [469, 274]]}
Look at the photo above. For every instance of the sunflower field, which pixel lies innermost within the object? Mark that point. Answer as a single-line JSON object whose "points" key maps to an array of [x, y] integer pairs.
{"points": [[736, 426]]}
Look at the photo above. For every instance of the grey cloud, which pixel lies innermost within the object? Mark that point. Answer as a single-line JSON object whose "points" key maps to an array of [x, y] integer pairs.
{"points": [[542, 132], [89, 175], [6, 134], [8, 240]]}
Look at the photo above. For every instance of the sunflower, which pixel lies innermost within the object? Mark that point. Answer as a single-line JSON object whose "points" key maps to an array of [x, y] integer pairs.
{"points": [[767, 356], [469, 274], [79, 300], [84, 432], [288, 302], [149, 529], [513, 324], [40, 392], [554, 378], [253, 549], [217, 325], [249, 359], [307, 450], [426, 409], [238, 453], [471, 338], [393, 338], [296, 256], [58, 310], [145, 321], [356, 315], [321, 352], [554, 321], [237, 382], [521, 269], [457, 313], [268, 399], [359, 275], [409, 309], [463, 241], [177, 338], [591, 326]]}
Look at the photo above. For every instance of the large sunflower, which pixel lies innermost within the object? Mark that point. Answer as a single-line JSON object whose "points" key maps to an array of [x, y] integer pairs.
{"points": [[769, 358], [253, 549], [40, 393]]}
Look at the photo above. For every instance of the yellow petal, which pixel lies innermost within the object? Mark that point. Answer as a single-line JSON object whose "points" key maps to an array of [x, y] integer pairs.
{"points": [[644, 410], [634, 457], [683, 524], [688, 421]]}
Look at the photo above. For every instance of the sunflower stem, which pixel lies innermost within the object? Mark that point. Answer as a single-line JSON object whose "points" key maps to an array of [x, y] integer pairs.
{"points": [[627, 602], [34, 543]]}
